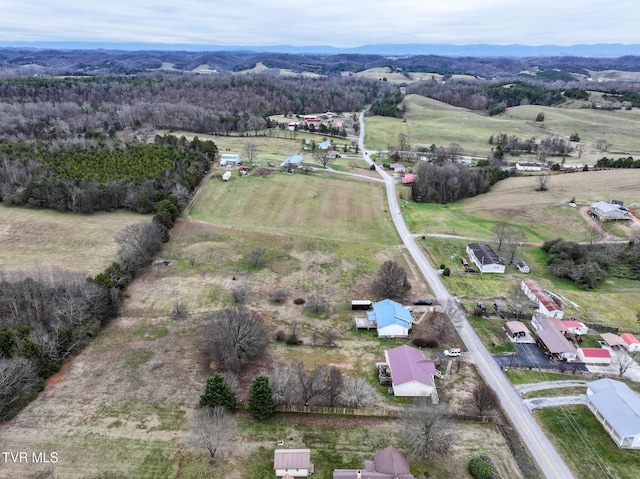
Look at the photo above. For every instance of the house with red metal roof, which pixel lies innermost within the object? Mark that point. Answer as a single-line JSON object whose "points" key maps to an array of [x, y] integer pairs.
{"points": [[630, 342], [387, 464], [409, 179], [594, 356], [411, 373]]}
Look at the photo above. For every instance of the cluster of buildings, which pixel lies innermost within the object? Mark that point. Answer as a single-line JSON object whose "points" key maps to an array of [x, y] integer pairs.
{"points": [[389, 463]]}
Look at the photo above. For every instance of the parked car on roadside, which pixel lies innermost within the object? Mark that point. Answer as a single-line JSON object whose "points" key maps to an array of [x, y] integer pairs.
{"points": [[423, 301]]}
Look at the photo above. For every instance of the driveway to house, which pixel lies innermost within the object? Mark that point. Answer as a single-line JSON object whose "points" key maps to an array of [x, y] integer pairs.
{"points": [[539, 403], [570, 383], [531, 356], [541, 449]]}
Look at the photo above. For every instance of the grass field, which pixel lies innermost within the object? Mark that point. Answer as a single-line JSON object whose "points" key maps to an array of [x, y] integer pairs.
{"points": [[71, 241], [585, 445], [313, 206], [432, 122]]}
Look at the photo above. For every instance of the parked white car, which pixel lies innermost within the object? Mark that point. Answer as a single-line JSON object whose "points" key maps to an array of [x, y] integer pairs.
{"points": [[452, 353]]}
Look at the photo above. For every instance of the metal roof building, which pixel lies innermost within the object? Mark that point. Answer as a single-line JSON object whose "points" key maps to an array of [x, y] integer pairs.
{"points": [[617, 407], [485, 258]]}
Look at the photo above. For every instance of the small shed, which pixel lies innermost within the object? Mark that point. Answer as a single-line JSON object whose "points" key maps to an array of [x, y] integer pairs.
{"points": [[294, 462], [575, 327], [409, 179], [516, 329], [594, 356], [630, 342], [612, 340]]}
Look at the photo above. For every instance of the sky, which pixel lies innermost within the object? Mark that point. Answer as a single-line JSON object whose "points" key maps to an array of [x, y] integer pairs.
{"points": [[340, 23]]}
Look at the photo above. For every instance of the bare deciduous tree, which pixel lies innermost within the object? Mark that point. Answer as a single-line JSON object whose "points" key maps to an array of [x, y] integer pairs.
{"points": [[391, 281], [18, 380], [357, 393], [283, 385], [500, 232], [603, 144], [484, 398], [542, 182], [334, 382], [513, 240], [309, 384], [237, 334], [427, 429], [179, 310], [329, 336], [518, 301], [625, 362], [322, 157], [138, 243], [251, 152], [214, 428]]}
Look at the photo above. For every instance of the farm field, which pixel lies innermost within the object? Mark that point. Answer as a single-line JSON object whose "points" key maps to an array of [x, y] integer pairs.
{"points": [[124, 403], [430, 122], [47, 238]]}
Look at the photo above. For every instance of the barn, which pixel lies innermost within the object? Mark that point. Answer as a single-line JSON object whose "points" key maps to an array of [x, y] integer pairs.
{"points": [[594, 356], [630, 342], [617, 408], [541, 298], [485, 258], [230, 159], [411, 374], [516, 329]]}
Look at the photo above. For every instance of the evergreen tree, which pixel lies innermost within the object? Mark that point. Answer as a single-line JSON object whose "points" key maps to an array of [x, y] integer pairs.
{"points": [[261, 402], [218, 393]]}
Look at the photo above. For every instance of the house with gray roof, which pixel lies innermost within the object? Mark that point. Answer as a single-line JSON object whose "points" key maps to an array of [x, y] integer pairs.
{"points": [[604, 211], [411, 374], [387, 464], [617, 407], [552, 339], [485, 258], [292, 462], [391, 318]]}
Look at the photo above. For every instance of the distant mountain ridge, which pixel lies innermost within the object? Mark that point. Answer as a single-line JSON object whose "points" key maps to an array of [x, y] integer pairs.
{"points": [[603, 50]]}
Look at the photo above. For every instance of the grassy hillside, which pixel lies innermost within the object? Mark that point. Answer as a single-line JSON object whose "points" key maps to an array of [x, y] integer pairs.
{"points": [[432, 122]]}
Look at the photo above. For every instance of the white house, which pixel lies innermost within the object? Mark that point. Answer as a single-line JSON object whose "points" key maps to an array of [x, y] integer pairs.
{"points": [[293, 161], [630, 342], [392, 319], [294, 462], [230, 159], [411, 374], [617, 408], [523, 166], [541, 298], [594, 356], [485, 258], [575, 327]]}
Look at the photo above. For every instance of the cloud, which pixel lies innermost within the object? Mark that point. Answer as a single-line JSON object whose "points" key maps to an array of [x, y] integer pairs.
{"points": [[332, 22]]}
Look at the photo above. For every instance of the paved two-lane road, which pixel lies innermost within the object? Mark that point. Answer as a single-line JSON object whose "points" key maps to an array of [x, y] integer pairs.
{"points": [[541, 449]]}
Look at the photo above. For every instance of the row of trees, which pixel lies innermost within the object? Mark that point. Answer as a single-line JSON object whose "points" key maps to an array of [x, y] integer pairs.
{"points": [[449, 182], [589, 264]]}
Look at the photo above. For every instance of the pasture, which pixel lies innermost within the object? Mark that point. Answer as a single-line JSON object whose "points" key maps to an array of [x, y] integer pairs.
{"points": [[71, 241], [430, 122]]}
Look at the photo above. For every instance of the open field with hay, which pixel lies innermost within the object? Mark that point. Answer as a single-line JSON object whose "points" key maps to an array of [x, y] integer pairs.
{"points": [[75, 242]]}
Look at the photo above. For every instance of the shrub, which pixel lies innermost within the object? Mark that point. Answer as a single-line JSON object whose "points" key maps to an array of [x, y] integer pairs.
{"points": [[442, 266], [479, 468], [278, 297], [432, 343], [446, 272], [540, 117], [280, 335], [318, 304], [420, 342], [299, 301]]}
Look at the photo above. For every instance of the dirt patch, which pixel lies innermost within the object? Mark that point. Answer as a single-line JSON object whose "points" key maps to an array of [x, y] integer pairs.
{"points": [[56, 377], [263, 172]]}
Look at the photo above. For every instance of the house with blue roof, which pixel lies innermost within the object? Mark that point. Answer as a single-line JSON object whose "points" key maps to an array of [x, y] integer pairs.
{"points": [[294, 161], [325, 145], [392, 319]]}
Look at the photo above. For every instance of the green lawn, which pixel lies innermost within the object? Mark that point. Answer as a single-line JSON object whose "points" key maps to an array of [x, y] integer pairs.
{"points": [[586, 447]]}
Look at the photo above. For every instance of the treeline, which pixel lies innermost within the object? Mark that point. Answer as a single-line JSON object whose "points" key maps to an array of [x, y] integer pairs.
{"points": [[27, 61], [627, 162], [512, 144], [104, 176], [589, 264], [451, 182], [103, 106]]}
